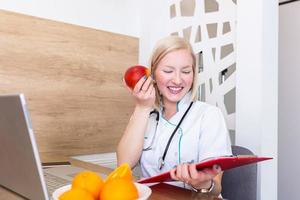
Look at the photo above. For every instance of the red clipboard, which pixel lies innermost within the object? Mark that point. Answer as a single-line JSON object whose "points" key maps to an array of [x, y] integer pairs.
{"points": [[226, 162]]}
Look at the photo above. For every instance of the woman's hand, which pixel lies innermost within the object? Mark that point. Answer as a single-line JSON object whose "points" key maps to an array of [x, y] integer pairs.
{"points": [[198, 179], [143, 92]]}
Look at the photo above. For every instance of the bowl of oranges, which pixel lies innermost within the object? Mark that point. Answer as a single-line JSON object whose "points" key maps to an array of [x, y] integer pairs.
{"points": [[88, 185]]}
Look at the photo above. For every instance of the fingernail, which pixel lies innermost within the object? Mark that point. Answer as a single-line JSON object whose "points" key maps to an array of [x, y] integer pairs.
{"points": [[217, 167], [145, 77]]}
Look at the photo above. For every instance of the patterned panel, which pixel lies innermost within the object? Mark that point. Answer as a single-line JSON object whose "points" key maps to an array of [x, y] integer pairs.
{"points": [[210, 27]]}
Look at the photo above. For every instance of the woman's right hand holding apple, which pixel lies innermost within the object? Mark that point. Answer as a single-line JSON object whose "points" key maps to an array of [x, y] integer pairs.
{"points": [[144, 93]]}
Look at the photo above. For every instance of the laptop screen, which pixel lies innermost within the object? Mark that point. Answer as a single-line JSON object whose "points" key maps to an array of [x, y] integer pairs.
{"points": [[20, 168]]}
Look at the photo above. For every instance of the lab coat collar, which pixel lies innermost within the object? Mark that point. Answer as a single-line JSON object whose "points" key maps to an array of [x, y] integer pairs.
{"points": [[182, 105], [184, 102]]}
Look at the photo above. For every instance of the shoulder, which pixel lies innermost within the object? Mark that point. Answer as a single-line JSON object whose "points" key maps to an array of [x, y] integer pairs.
{"points": [[205, 108], [202, 112]]}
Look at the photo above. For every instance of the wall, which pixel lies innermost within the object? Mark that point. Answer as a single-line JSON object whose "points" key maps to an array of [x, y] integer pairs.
{"points": [[256, 87], [118, 16], [289, 98], [72, 79]]}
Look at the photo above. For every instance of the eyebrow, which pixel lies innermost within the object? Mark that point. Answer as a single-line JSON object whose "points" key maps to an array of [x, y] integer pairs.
{"points": [[188, 66]]}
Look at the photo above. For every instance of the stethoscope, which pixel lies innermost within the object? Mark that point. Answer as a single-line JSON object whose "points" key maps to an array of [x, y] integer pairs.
{"points": [[161, 161]]}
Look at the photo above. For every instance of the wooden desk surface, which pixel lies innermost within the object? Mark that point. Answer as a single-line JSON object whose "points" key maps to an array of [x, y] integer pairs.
{"points": [[160, 191], [169, 192], [8, 195]]}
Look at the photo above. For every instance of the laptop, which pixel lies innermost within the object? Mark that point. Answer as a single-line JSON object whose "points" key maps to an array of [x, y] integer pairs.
{"points": [[20, 166]]}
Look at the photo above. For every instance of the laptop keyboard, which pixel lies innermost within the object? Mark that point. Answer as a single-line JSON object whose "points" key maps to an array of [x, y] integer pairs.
{"points": [[53, 182]]}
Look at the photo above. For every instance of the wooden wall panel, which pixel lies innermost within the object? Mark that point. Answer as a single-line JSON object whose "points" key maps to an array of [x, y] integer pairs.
{"points": [[72, 79]]}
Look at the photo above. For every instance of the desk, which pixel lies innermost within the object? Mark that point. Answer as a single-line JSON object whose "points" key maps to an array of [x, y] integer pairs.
{"points": [[8, 195], [164, 191], [160, 191]]}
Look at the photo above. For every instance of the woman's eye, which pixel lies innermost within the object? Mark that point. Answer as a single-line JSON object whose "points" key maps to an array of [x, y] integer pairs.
{"points": [[167, 71], [186, 72]]}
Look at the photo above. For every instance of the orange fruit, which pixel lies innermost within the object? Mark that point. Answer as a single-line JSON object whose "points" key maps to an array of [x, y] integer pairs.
{"points": [[123, 171], [119, 189], [76, 194], [88, 181]]}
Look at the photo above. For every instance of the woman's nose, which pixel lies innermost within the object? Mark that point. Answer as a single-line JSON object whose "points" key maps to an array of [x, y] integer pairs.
{"points": [[177, 78]]}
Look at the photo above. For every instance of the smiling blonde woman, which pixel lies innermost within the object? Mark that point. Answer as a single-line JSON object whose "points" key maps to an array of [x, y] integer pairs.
{"points": [[169, 129]]}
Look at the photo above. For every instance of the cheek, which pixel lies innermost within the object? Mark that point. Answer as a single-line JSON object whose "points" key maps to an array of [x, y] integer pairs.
{"points": [[160, 83], [189, 80], [161, 80]]}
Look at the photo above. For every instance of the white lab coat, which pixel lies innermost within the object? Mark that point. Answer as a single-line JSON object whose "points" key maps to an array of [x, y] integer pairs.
{"points": [[202, 134]]}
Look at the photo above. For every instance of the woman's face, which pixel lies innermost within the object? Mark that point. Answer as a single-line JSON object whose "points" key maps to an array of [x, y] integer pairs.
{"points": [[174, 76]]}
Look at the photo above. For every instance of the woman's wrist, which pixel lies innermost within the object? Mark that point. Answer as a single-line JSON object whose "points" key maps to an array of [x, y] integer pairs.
{"points": [[204, 188], [143, 109], [141, 112]]}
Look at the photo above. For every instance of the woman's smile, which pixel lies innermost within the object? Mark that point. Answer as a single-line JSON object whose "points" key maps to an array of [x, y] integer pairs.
{"points": [[175, 89]]}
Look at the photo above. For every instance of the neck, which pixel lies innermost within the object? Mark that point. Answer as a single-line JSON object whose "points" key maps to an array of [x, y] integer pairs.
{"points": [[170, 110]]}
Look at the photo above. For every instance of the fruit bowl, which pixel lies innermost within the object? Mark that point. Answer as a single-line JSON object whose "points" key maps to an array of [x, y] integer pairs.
{"points": [[143, 190]]}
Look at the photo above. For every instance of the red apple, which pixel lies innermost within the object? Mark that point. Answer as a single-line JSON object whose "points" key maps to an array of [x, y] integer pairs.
{"points": [[134, 73]]}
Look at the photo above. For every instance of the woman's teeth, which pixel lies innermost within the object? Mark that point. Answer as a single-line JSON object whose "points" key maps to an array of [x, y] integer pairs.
{"points": [[175, 90]]}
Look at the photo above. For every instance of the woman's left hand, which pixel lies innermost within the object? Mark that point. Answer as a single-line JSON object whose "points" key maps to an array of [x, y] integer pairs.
{"points": [[190, 175]]}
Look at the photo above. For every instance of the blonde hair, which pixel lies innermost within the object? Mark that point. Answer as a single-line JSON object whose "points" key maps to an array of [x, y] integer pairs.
{"points": [[161, 49]]}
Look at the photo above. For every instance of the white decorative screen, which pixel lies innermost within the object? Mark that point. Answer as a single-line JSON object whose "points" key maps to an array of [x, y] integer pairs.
{"points": [[210, 25]]}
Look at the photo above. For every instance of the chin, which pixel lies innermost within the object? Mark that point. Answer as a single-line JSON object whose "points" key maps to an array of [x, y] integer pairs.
{"points": [[173, 98]]}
